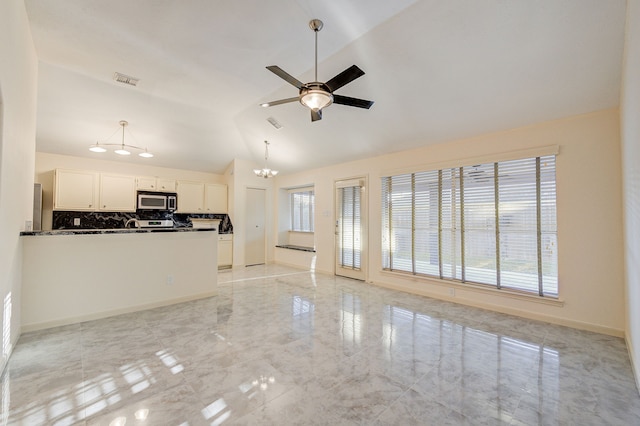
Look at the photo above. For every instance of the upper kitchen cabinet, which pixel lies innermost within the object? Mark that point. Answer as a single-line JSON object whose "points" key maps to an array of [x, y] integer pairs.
{"points": [[215, 198], [151, 183], [117, 193], [166, 185], [198, 197], [75, 190], [146, 183], [190, 197]]}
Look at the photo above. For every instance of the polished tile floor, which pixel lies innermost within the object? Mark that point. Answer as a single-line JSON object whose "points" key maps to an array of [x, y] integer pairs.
{"points": [[282, 346]]}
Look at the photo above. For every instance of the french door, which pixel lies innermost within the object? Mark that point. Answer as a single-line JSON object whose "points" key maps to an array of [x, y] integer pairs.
{"points": [[351, 225]]}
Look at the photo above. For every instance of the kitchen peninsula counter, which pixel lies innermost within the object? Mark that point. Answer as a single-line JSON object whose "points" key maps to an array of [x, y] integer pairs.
{"points": [[110, 231], [75, 275]]}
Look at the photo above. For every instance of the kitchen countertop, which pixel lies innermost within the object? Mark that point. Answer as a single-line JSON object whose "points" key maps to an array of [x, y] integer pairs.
{"points": [[111, 231]]}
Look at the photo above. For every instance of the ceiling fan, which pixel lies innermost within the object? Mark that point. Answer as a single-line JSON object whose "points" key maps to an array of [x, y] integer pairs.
{"points": [[317, 95]]}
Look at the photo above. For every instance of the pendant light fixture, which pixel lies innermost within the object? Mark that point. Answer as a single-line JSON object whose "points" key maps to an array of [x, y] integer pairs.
{"points": [[122, 148], [266, 172]]}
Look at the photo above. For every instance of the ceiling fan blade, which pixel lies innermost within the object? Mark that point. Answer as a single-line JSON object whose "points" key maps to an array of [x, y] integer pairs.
{"points": [[279, 102], [316, 115], [345, 77], [354, 102], [285, 75]]}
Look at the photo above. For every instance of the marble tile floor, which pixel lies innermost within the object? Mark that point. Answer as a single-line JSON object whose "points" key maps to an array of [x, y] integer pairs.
{"points": [[280, 346]]}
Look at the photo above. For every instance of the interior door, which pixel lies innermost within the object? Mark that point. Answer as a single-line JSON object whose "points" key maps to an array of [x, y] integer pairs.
{"points": [[255, 237], [351, 225]]}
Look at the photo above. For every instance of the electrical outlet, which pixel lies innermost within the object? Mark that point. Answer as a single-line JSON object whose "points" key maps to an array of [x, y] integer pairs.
{"points": [[452, 292], [76, 221], [170, 280]]}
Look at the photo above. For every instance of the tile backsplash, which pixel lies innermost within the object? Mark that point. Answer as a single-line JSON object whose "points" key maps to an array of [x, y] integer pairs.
{"points": [[114, 220]]}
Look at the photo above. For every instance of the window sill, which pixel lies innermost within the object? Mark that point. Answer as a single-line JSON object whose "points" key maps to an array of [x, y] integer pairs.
{"points": [[479, 288], [299, 248]]}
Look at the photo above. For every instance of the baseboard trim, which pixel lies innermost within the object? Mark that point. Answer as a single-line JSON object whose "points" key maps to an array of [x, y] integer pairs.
{"points": [[105, 314], [596, 328], [632, 359]]}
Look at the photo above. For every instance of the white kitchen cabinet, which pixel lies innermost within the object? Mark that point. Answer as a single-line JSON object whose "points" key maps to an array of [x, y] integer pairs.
{"points": [[146, 183], [75, 190], [215, 198], [225, 251], [166, 185], [117, 193], [190, 197], [151, 183]]}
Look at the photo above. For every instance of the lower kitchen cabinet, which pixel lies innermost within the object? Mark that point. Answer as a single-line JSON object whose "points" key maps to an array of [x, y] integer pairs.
{"points": [[225, 251]]}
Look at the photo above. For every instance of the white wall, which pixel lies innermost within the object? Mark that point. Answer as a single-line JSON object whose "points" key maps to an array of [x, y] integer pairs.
{"points": [[46, 163], [18, 84], [630, 123], [589, 217], [74, 278]]}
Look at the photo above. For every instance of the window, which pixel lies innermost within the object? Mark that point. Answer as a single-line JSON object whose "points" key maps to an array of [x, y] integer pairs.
{"points": [[492, 223], [301, 202]]}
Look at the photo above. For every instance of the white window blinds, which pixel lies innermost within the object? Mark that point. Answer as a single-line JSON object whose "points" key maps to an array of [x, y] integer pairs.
{"points": [[349, 232], [302, 203], [492, 223]]}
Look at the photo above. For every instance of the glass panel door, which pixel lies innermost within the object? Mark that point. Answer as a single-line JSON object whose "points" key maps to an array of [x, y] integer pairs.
{"points": [[350, 229]]}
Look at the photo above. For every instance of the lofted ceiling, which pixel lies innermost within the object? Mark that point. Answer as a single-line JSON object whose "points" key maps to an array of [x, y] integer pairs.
{"points": [[437, 70]]}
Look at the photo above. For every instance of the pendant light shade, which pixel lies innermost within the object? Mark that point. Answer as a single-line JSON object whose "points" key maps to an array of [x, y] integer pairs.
{"points": [[97, 148]]}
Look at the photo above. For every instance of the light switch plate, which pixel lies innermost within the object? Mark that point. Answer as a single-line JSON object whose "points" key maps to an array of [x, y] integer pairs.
{"points": [[76, 221]]}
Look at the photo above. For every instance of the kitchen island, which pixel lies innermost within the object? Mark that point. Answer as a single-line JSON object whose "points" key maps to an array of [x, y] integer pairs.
{"points": [[71, 276]]}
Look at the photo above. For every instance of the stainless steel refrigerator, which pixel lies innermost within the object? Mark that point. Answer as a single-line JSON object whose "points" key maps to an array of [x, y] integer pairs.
{"points": [[37, 207]]}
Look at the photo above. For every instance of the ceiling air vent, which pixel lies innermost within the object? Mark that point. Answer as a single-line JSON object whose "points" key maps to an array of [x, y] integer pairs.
{"points": [[125, 79], [274, 123]]}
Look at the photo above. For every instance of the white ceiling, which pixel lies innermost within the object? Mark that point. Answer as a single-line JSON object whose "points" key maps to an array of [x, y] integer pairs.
{"points": [[437, 70]]}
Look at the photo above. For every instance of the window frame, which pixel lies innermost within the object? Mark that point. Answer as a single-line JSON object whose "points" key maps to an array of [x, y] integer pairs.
{"points": [[456, 188], [297, 202]]}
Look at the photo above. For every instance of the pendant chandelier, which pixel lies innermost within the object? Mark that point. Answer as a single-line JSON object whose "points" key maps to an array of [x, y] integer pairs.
{"points": [[266, 172], [123, 148]]}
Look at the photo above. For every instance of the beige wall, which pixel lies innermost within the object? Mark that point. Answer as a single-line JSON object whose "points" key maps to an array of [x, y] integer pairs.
{"points": [[74, 278], [46, 163], [18, 84], [589, 217], [630, 121]]}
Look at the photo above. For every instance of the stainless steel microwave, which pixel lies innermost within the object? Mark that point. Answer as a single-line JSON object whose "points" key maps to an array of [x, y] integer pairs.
{"points": [[157, 201]]}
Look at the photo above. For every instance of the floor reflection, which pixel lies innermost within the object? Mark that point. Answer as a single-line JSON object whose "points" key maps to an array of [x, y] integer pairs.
{"points": [[282, 346]]}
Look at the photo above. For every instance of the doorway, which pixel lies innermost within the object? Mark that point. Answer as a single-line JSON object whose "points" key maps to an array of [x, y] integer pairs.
{"points": [[255, 237], [351, 226]]}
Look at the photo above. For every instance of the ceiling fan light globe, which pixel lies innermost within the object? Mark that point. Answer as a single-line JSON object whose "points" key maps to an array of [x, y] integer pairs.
{"points": [[316, 99]]}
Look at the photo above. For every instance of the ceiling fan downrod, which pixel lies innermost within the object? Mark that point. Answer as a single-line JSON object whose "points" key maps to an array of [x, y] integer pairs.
{"points": [[316, 25]]}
